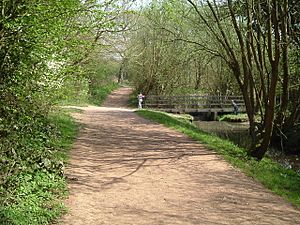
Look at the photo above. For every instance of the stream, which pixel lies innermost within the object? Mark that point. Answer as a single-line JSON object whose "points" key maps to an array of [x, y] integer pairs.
{"points": [[238, 134]]}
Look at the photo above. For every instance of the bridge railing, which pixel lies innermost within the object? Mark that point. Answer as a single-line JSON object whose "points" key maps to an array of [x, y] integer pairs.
{"points": [[193, 102]]}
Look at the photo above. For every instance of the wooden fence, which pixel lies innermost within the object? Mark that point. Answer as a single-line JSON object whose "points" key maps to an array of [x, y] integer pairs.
{"points": [[194, 103]]}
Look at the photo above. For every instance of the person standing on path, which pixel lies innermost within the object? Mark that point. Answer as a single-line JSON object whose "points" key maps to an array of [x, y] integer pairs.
{"points": [[133, 171], [140, 100]]}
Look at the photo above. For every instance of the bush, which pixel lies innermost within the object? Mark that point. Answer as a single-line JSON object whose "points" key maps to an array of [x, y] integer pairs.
{"points": [[32, 179], [234, 118], [99, 93]]}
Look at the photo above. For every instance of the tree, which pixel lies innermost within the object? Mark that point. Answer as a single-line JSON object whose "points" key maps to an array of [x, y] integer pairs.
{"points": [[43, 46], [165, 60], [261, 28], [251, 41]]}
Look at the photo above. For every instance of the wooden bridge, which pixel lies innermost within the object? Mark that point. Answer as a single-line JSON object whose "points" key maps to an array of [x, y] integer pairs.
{"points": [[194, 104]]}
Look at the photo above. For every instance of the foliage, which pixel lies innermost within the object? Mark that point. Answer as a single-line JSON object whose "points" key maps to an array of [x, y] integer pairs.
{"points": [[102, 75], [227, 47], [33, 38], [44, 46], [259, 60], [97, 80], [99, 94], [74, 92], [187, 118], [282, 181], [32, 196], [234, 118], [168, 58], [42, 49], [34, 199]]}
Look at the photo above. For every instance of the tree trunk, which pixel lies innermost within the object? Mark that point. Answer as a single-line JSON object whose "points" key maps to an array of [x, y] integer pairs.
{"points": [[273, 26], [285, 65]]}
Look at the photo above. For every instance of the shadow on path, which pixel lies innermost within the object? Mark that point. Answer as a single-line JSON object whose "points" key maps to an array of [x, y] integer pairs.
{"points": [[127, 170]]}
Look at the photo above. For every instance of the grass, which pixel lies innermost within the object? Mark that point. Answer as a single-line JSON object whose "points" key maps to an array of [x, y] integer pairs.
{"points": [[96, 96], [32, 184], [234, 118], [34, 195], [282, 181], [99, 94], [36, 200]]}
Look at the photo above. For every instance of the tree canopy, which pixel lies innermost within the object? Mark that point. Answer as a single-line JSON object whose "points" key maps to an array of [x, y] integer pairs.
{"points": [[222, 47], [46, 55], [60, 50]]}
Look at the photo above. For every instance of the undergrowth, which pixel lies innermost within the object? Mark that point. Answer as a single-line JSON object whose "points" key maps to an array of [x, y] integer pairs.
{"points": [[32, 183], [284, 182], [95, 95], [234, 118], [99, 94]]}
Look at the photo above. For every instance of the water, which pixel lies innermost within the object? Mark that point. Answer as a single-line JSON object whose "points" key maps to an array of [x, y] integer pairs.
{"points": [[238, 133], [287, 161]]}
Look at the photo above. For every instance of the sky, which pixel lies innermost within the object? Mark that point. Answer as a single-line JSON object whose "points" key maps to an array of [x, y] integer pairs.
{"points": [[142, 2]]}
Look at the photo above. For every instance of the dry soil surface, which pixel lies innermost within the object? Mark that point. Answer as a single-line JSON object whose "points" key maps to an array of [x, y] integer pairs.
{"points": [[127, 170]]}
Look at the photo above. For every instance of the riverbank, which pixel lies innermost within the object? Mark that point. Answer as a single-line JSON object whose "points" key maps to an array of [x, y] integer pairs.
{"points": [[238, 133], [128, 170], [282, 181]]}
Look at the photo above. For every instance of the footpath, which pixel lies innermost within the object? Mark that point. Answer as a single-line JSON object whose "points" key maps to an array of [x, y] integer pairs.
{"points": [[127, 170]]}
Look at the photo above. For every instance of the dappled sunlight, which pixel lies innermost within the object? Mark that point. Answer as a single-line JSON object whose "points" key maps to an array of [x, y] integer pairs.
{"points": [[126, 168]]}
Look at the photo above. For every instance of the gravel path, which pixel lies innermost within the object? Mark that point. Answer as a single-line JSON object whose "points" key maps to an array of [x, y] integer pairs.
{"points": [[127, 170]]}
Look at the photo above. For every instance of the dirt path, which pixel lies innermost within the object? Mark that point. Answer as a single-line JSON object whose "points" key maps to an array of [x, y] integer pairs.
{"points": [[127, 170]]}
